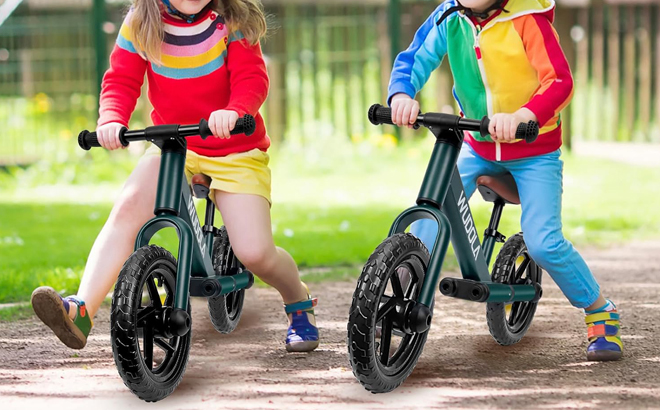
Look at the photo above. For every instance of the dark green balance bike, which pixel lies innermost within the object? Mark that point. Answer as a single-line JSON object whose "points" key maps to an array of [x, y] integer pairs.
{"points": [[150, 318], [393, 302]]}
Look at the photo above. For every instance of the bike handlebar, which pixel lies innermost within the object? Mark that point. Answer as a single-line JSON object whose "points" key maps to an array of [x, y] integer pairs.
{"points": [[245, 125], [383, 115]]}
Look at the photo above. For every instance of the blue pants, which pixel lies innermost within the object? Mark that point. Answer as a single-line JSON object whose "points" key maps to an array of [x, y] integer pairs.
{"points": [[539, 181]]}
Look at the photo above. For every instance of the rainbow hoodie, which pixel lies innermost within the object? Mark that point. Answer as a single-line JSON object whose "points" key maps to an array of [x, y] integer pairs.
{"points": [[509, 61]]}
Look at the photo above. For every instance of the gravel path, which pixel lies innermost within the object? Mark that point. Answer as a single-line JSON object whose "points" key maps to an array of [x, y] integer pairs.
{"points": [[461, 367]]}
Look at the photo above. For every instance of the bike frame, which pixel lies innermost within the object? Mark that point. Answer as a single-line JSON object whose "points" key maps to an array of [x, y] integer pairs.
{"points": [[175, 208], [442, 198]]}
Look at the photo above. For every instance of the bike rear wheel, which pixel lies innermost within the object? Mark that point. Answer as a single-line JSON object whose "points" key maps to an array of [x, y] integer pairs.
{"points": [[508, 322], [225, 311]]}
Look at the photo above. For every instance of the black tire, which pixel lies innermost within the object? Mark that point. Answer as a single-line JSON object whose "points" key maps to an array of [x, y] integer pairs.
{"points": [[399, 255], [136, 330], [225, 311], [508, 322]]}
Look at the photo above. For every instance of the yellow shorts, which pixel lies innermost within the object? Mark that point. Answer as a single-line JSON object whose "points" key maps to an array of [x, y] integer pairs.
{"points": [[240, 173]]}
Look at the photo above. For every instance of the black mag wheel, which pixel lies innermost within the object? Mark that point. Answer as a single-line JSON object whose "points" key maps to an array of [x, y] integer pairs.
{"points": [[150, 360], [381, 354], [225, 311], [508, 322]]}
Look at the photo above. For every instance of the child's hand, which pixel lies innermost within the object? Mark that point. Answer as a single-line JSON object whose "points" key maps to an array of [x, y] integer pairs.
{"points": [[503, 127], [108, 135], [221, 123], [404, 110]]}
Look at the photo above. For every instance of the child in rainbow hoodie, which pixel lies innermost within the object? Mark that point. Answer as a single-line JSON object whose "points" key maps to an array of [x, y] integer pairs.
{"points": [[508, 65]]}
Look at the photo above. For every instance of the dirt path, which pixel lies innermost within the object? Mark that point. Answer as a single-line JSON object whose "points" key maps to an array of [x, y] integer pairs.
{"points": [[461, 367]]}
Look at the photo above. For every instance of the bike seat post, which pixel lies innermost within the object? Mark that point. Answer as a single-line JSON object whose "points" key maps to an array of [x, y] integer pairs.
{"points": [[201, 188], [209, 229], [491, 235], [499, 189]]}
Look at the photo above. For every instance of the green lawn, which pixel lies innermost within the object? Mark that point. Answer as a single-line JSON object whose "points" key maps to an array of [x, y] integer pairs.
{"points": [[332, 207]]}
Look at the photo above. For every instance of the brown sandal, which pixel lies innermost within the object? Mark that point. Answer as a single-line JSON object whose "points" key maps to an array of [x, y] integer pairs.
{"points": [[51, 308]]}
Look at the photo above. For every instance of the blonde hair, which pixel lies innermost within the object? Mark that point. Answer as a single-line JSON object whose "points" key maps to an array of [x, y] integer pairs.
{"points": [[146, 23]]}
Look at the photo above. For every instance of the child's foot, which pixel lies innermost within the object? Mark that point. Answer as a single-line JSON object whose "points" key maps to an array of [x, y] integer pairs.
{"points": [[604, 334], [66, 317], [303, 336]]}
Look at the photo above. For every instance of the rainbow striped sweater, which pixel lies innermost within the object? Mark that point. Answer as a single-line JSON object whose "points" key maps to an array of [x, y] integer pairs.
{"points": [[499, 65], [203, 68]]}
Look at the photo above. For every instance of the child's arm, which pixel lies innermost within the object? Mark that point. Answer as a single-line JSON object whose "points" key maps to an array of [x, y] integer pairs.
{"points": [[248, 78], [546, 56], [413, 67], [556, 82], [248, 84], [122, 82]]}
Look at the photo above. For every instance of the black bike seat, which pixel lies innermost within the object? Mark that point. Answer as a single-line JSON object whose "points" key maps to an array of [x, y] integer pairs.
{"points": [[201, 185], [494, 188]]}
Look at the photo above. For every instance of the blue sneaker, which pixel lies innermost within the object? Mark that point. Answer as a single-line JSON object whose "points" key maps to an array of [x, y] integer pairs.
{"points": [[302, 335]]}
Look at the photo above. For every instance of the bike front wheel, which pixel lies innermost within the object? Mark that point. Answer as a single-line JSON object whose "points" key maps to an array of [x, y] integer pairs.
{"points": [[382, 354], [150, 360]]}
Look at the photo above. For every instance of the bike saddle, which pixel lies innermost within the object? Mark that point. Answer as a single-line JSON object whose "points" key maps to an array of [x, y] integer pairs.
{"points": [[494, 188], [201, 185]]}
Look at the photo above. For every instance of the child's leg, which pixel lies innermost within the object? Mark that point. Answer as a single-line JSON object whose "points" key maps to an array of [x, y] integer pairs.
{"points": [[248, 223], [112, 247], [115, 243], [471, 166], [539, 181]]}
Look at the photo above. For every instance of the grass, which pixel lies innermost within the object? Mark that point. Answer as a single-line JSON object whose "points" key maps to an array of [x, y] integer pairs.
{"points": [[48, 244], [24, 310], [15, 313], [332, 207], [45, 245]]}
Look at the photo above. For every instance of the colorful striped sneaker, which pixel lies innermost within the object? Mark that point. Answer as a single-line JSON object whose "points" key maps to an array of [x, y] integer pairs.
{"points": [[53, 310], [302, 335], [604, 336]]}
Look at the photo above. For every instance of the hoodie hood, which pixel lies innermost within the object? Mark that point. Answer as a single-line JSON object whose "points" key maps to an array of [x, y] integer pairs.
{"points": [[517, 8]]}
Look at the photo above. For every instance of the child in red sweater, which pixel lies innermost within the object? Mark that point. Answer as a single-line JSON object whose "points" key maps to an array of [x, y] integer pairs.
{"points": [[202, 60]]}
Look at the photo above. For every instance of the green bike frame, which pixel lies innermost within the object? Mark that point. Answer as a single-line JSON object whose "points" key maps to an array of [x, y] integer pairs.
{"points": [[442, 199], [175, 208]]}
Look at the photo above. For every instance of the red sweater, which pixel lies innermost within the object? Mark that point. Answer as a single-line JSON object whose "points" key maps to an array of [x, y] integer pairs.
{"points": [[203, 68]]}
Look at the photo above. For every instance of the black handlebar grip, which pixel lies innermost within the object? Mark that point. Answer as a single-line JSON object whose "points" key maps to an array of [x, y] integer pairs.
{"points": [[528, 132], [122, 138], [204, 130], [245, 125], [483, 128], [383, 115], [87, 140], [380, 115]]}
